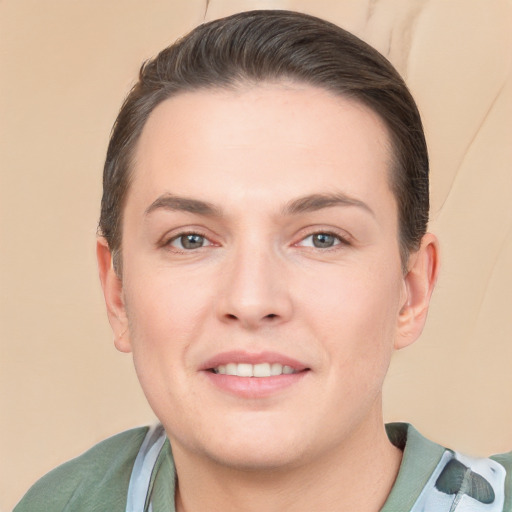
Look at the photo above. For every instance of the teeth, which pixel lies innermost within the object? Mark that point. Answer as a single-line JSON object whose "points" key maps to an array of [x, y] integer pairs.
{"points": [[244, 370], [261, 370], [276, 369], [254, 370]]}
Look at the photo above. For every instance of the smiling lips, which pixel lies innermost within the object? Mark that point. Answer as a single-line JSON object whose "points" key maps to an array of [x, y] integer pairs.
{"points": [[253, 375], [254, 370]]}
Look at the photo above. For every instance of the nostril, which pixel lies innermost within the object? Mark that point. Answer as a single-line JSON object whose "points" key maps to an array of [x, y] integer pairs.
{"points": [[271, 315]]}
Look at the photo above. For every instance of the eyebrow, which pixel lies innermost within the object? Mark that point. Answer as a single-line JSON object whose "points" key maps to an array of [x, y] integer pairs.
{"points": [[309, 203], [316, 202], [184, 204]]}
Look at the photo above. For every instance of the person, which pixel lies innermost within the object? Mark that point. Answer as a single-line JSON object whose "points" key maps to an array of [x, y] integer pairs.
{"points": [[263, 250]]}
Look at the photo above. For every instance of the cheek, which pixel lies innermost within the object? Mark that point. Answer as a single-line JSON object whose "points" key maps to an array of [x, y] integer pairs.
{"points": [[356, 316], [162, 323], [164, 316], [164, 307]]}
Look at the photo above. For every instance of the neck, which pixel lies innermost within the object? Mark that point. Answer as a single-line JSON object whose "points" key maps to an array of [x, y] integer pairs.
{"points": [[358, 475]]}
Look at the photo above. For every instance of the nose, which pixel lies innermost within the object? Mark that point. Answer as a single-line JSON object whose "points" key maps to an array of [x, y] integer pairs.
{"points": [[255, 292]]}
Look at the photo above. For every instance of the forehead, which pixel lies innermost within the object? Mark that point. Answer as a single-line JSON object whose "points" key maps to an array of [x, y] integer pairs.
{"points": [[266, 140]]}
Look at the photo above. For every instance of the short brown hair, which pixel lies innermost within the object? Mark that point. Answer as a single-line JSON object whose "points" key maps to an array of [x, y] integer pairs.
{"points": [[262, 46]]}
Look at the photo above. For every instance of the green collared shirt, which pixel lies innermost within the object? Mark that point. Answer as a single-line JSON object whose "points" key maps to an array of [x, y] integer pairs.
{"points": [[98, 480]]}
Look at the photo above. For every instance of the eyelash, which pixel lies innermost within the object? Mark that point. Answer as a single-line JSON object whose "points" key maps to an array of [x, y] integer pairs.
{"points": [[339, 241], [168, 243]]}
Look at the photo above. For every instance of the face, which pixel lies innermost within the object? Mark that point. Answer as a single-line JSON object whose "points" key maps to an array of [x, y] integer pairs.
{"points": [[262, 289]]}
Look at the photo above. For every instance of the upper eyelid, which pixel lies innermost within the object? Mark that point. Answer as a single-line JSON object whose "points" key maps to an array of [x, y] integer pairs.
{"points": [[303, 233], [183, 249], [186, 233], [176, 233], [306, 232], [167, 243], [341, 240]]}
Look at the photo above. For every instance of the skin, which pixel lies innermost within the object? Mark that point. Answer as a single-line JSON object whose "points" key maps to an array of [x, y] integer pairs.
{"points": [[256, 282]]}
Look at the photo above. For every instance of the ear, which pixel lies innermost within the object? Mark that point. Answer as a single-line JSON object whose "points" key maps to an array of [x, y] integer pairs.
{"points": [[419, 283], [113, 292]]}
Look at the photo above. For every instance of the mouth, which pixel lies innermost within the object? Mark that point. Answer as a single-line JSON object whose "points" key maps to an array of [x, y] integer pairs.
{"points": [[260, 370], [250, 375]]}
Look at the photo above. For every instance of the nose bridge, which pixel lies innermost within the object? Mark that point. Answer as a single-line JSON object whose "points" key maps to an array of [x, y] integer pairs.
{"points": [[254, 290]]}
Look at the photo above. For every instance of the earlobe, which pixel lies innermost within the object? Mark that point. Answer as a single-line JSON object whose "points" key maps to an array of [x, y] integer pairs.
{"points": [[112, 287], [419, 283]]}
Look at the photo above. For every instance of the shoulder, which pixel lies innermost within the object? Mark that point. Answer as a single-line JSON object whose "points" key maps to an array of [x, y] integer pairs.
{"points": [[96, 480], [433, 477], [505, 459]]}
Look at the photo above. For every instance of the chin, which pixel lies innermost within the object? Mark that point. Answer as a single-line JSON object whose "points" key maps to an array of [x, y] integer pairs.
{"points": [[250, 449], [253, 457]]}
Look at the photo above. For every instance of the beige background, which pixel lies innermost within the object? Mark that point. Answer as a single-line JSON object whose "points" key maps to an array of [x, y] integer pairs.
{"points": [[65, 67]]}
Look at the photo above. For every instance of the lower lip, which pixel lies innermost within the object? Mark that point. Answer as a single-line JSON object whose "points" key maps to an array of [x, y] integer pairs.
{"points": [[254, 387]]}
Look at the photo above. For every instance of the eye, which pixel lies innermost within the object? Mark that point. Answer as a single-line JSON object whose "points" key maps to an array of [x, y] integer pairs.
{"points": [[321, 241], [189, 241]]}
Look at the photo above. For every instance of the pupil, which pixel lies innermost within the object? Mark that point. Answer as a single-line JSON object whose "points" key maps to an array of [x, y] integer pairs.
{"points": [[191, 241], [323, 240]]}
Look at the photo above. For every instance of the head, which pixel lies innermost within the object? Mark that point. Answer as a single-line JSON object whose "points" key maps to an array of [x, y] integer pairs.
{"points": [[269, 46], [267, 182]]}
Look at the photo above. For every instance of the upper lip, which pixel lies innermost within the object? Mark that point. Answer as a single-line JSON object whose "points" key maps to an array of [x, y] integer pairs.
{"points": [[237, 356]]}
